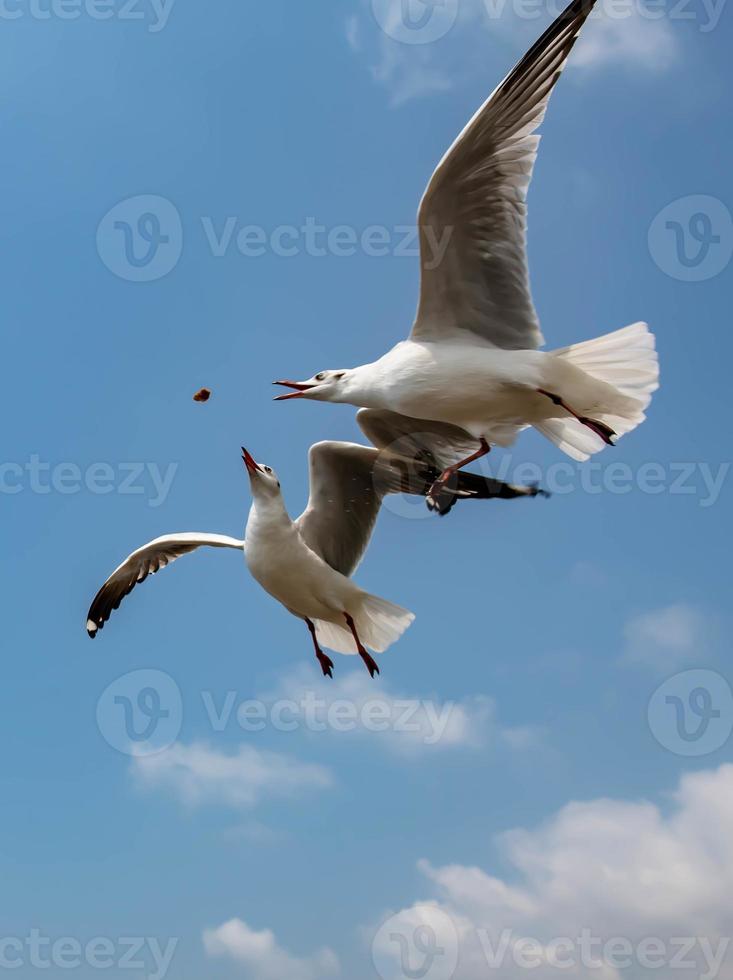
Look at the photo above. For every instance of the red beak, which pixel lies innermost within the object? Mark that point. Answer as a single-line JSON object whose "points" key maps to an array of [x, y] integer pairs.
{"points": [[249, 462], [297, 385]]}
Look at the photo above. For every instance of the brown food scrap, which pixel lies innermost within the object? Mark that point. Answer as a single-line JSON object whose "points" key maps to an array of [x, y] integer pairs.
{"points": [[203, 395]]}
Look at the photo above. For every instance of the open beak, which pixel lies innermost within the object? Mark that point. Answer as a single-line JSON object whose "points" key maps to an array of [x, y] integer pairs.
{"points": [[299, 387], [249, 462]]}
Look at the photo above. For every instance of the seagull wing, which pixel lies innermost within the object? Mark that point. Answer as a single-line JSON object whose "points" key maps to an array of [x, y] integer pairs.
{"points": [[413, 453], [343, 504], [147, 561], [439, 443], [478, 291]]}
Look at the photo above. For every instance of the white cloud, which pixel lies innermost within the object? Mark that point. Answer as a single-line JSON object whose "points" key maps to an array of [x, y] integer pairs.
{"points": [[446, 36], [625, 34], [408, 73], [666, 638], [198, 775], [263, 958], [615, 869]]}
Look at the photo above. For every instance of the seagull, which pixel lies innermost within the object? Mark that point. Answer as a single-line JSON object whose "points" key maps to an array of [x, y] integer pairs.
{"points": [[472, 359], [307, 564]]}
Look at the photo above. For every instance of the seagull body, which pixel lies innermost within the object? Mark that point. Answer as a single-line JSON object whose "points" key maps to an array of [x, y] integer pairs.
{"points": [[472, 359], [342, 616], [307, 564], [491, 393]]}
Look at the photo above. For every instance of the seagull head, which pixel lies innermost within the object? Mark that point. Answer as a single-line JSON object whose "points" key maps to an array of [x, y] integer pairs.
{"points": [[326, 386], [263, 479]]}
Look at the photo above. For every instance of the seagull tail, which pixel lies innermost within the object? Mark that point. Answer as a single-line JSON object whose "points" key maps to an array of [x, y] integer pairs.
{"points": [[626, 364], [380, 623]]}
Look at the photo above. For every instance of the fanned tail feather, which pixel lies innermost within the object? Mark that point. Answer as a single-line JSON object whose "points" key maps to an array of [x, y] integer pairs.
{"points": [[625, 360], [379, 623]]}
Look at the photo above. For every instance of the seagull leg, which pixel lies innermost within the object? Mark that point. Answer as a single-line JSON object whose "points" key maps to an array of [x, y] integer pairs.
{"points": [[450, 471], [325, 662], [600, 428], [371, 663]]}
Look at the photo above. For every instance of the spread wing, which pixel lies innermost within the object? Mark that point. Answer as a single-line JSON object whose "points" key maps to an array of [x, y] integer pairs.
{"points": [[413, 453], [147, 561], [343, 504], [438, 443], [476, 200]]}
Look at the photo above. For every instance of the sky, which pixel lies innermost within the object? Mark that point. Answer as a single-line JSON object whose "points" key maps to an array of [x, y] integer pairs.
{"points": [[226, 196]]}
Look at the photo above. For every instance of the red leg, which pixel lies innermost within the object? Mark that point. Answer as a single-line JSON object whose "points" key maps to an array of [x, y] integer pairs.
{"points": [[325, 662], [600, 428], [447, 473], [368, 659]]}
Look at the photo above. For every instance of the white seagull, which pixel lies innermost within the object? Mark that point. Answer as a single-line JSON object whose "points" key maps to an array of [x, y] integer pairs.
{"points": [[306, 564], [472, 358]]}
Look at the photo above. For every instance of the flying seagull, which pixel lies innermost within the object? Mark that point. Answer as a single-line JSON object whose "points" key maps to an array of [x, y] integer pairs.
{"points": [[306, 564], [472, 358]]}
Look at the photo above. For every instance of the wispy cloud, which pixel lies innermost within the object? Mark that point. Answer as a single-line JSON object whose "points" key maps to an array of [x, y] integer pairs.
{"points": [[403, 724], [666, 638], [417, 47], [632, 39], [353, 32], [262, 957], [199, 775]]}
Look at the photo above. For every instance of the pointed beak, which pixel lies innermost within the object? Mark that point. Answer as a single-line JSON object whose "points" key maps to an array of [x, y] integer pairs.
{"points": [[299, 386], [249, 462]]}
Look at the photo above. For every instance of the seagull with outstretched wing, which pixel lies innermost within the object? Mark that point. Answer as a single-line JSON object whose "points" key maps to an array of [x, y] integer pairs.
{"points": [[307, 564], [472, 359]]}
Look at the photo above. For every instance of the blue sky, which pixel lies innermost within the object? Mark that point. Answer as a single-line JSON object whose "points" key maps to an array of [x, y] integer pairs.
{"points": [[543, 628]]}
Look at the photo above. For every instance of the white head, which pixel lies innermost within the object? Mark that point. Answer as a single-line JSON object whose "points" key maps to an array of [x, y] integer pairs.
{"points": [[326, 386], [263, 479]]}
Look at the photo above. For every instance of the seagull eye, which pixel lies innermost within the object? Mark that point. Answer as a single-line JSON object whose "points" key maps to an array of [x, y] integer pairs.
{"points": [[268, 469], [321, 376]]}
